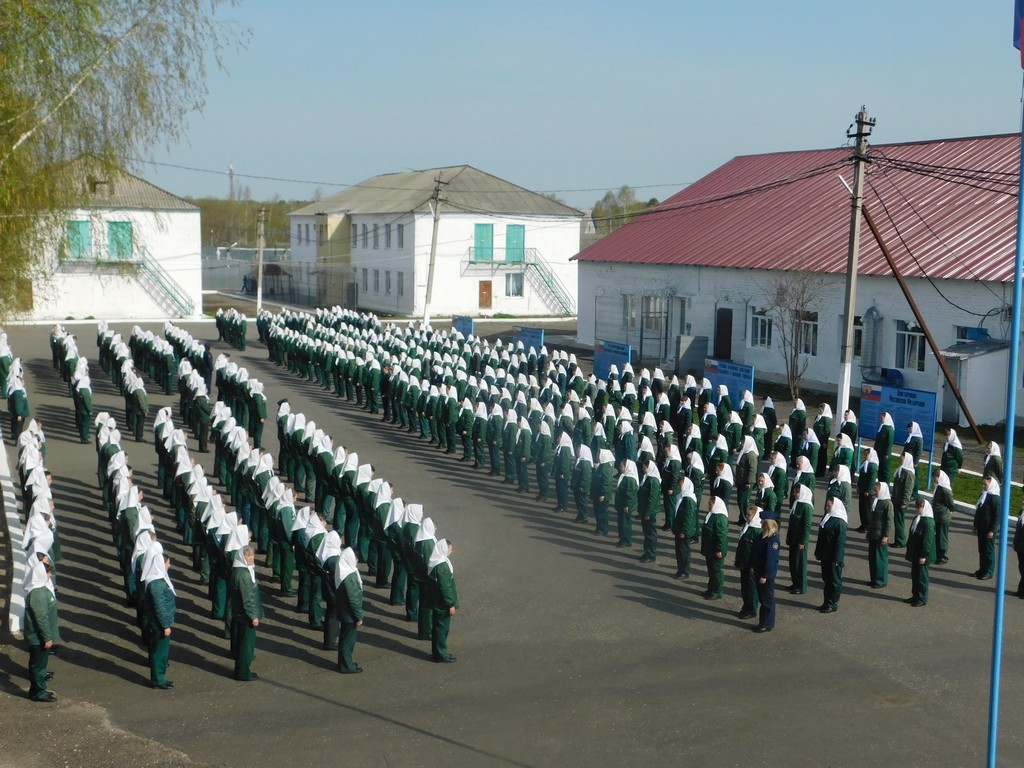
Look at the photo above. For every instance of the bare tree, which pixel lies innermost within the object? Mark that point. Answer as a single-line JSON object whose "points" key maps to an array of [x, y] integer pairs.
{"points": [[791, 304]]}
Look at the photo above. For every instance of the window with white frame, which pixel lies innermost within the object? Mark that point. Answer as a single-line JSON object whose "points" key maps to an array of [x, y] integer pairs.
{"points": [[401, 283], [400, 234], [376, 236], [376, 281], [307, 234], [910, 346], [760, 328], [387, 282], [366, 236], [808, 334], [387, 235], [514, 284], [365, 280], [355, 235]]}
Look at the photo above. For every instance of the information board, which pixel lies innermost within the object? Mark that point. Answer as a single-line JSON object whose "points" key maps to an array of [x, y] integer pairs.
{"points": [[735, 376], [531, 337], [609, 353], [463, 324], [904, 405]]}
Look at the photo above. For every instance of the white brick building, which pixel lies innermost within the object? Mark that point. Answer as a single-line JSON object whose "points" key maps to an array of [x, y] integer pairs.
{"points": [[701, 263]]}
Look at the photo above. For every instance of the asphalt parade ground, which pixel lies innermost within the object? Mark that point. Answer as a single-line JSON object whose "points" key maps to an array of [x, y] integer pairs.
{"points": [[570, 652]]}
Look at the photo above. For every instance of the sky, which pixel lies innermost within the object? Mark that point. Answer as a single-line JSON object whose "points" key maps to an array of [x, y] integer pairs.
{"points": [[577, 98]]}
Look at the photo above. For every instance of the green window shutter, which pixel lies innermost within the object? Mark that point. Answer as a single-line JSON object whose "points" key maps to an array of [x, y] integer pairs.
{"points": [[515, 243], [79, 240], [483, 242], [119, 239]]}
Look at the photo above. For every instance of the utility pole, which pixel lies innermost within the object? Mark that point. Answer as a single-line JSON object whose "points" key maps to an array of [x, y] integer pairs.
{"points": [[435, 207], [261, 220], [864, 125]]}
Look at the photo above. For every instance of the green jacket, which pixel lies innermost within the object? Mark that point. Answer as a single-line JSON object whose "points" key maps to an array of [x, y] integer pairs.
{"points": [[880, 523], [245, 596], [41, 617], [715, 536], [348, 600], [799, 529], [160, 605], [921, 541], [444, 595]]}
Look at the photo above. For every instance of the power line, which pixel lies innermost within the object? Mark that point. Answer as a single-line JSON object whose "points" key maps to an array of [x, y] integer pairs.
{"points": [[910, 253], [348, 185]]}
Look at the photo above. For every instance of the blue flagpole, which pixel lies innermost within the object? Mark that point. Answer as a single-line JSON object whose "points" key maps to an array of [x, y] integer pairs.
{"points": [[1004, 510]]}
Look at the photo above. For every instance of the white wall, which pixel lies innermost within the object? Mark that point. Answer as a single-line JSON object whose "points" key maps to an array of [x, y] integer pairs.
{"points": [[90, 289], [712, 287], [456, 281]]}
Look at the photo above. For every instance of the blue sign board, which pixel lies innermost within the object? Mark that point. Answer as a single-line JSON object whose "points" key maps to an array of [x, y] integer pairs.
{"points": [[531, 337], [609, 353], [463, 324], [735, 376], [904, 405]]}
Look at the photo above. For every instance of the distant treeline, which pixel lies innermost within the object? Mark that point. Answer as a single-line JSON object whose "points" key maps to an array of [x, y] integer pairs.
{"points": [[226, 222]]}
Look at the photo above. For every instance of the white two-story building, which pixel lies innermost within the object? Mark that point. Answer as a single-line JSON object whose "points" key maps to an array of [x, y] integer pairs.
{"points": [[131, 250], [500, 248]]}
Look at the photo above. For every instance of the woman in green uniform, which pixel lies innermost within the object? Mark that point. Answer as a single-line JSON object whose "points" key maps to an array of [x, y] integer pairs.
{"points": [[159, 614], [904, 491], [246, 612], [867, 479], [883, 445], [952, 456], [348, 608], [714, 545], [921, 552], [685, 530], [942, 507], [798, 537], [649, 503], [879, 535], [744, 563], [830, 551]]}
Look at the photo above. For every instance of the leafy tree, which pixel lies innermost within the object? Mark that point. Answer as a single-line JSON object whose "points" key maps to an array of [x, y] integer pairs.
{"points": [[109, 79], [618, 208], [792, 301], [234, 221]]}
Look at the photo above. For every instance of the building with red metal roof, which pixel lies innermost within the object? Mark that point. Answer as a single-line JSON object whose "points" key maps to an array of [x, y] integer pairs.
{"points": [[705, 263]]}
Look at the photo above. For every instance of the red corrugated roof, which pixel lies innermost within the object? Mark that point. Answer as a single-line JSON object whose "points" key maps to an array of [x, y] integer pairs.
{"points": [[788, 210]]}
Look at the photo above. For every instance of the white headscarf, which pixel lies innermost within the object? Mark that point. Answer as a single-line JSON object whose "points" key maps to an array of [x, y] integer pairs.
{"points": [[35, 577], [717, 508], [925, 510], [838, 509], [154, 569], [329, 547], [804, 495], [872, 458], [240, 562], [753, 522], [915, 431], [346, 564], [629, 471], [438, 556], [942, 480], [907, 463], [993, 488], [953, 440]]}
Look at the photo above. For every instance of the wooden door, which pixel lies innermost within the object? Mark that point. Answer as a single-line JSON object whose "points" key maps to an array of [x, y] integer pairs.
{"points": [[485, 294]]}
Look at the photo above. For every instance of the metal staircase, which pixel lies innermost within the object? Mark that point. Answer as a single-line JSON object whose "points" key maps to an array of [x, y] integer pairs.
{"points": [[164, 289], [547, 283]]}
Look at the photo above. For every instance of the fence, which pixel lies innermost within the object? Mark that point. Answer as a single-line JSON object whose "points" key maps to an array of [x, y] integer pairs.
{"points": [[302, 283]]}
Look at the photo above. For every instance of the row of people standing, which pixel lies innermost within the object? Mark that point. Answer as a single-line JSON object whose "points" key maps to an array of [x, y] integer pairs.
{"points": [[359, 506]]}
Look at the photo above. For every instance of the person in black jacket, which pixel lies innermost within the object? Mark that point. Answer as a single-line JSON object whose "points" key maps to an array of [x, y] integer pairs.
{"points": [[766, 568], [986, 525]]}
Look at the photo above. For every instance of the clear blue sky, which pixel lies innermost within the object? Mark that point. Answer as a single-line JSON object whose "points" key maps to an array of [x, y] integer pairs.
{"points": [[565, 96]]}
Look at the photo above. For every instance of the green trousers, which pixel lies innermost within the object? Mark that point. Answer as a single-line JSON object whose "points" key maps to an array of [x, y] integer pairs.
{"points": [[159, 652]]}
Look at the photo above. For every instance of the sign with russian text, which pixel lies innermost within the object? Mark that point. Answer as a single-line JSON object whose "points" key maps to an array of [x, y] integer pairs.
{"points": [[904, 405], [609, 353], [463, 324], [531, 337], [735, 376]]}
